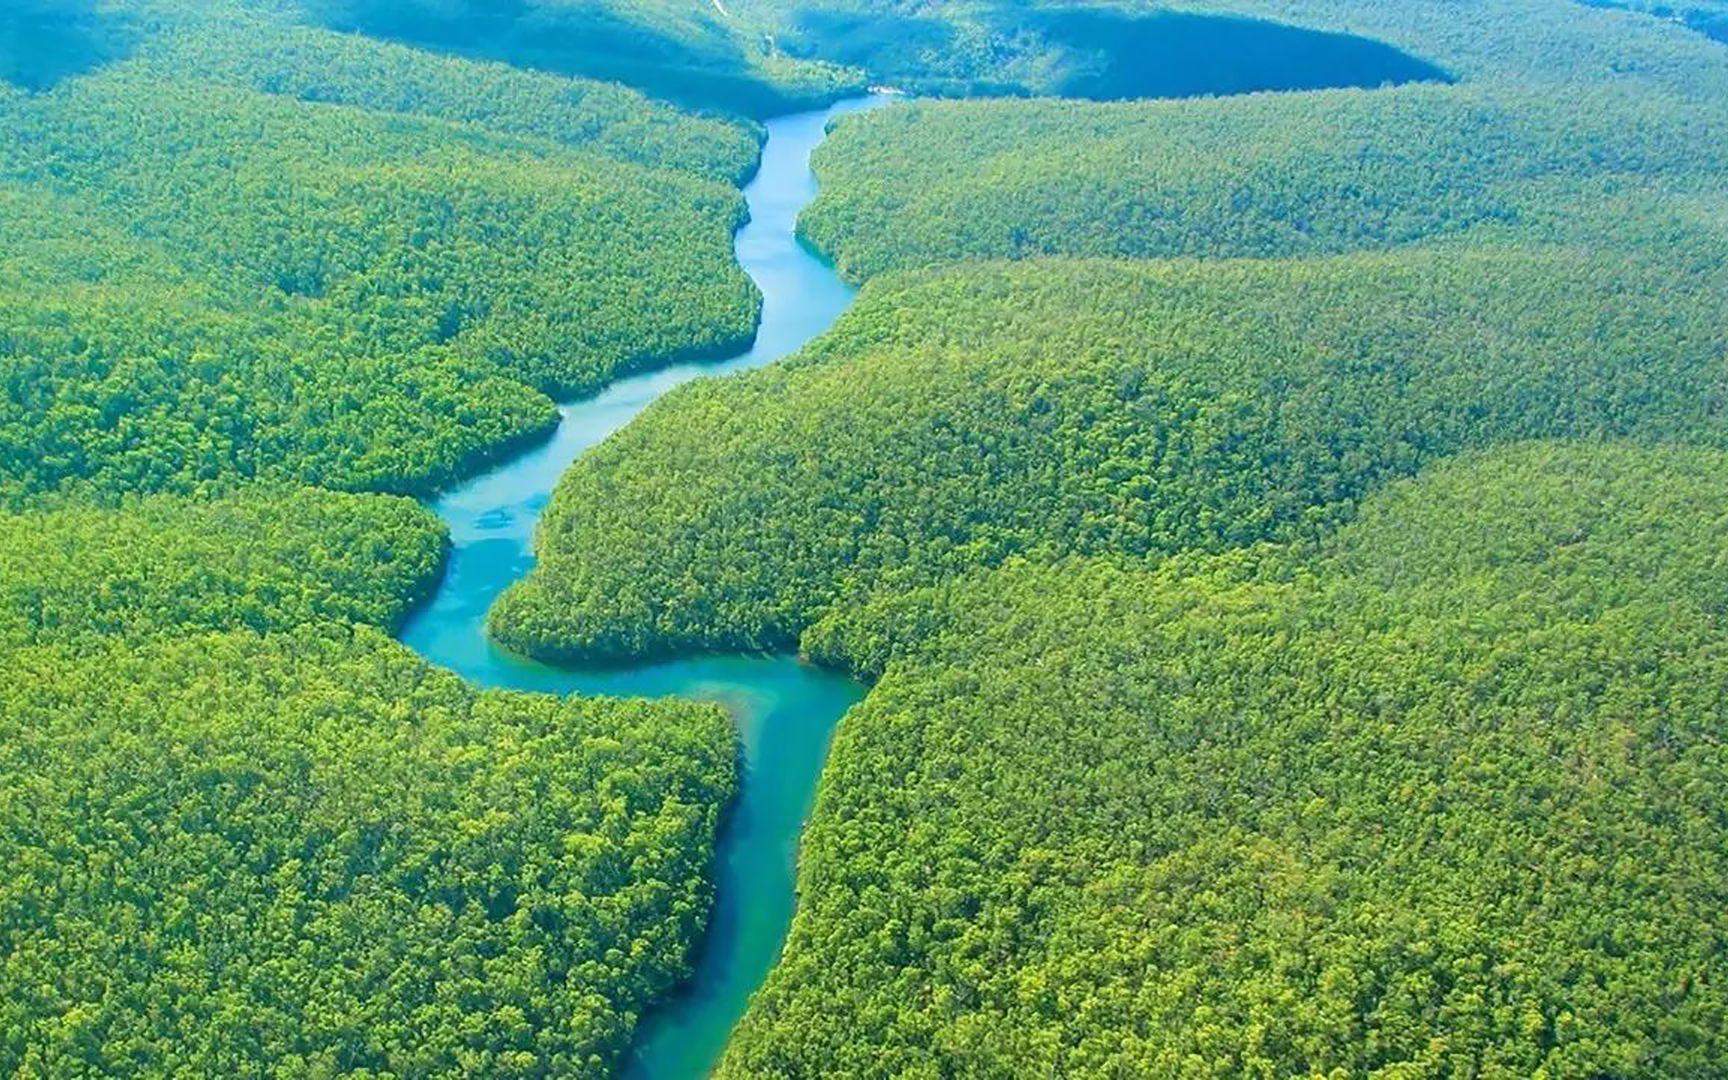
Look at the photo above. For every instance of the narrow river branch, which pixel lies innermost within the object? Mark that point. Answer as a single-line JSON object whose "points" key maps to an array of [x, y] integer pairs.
{"points": [[785, 710]]}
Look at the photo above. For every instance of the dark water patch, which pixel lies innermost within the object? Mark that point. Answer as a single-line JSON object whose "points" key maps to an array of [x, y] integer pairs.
{"points": [[44, 42], [1099, 53], [1112, 55], [1711, 22]]}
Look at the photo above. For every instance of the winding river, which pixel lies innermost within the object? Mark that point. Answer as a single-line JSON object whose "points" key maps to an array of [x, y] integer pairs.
{"points": [[785, 710]]}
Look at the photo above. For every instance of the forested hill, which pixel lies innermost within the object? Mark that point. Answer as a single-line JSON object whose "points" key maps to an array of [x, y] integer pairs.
{"points": [[245, 261], [1707, 17], [309, 852], [243, 826], [692, 52], [955, 418], [253, 249], [1274, 476], [1440, 799], [1099, 51], [1557, 110], [1284, 529]]}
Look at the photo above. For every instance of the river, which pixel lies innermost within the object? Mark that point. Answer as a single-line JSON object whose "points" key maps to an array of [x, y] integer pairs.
{"points": [[785, 711]]}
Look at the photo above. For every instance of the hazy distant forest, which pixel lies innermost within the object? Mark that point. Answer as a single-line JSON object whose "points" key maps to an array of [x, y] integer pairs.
{"points": [[1274, 481]]}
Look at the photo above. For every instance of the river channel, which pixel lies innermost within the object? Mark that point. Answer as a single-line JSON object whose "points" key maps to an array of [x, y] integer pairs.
{"points": [[785, 711]]}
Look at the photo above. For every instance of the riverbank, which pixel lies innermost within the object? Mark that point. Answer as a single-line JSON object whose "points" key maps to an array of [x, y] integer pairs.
{"points": [[785, 711]]}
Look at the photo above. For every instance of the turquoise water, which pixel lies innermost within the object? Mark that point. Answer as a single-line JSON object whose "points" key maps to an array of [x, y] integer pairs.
{"points": [[785, 710]]}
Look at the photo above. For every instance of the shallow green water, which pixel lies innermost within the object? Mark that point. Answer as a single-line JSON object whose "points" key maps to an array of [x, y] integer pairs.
{"points": [[785, 710]]}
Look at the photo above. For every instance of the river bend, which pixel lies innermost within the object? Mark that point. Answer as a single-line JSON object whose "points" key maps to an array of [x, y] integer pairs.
{"points": [[785, 711]]}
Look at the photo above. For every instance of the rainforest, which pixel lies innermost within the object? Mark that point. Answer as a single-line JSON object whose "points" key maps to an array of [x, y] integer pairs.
{"points": [[864, 538]]}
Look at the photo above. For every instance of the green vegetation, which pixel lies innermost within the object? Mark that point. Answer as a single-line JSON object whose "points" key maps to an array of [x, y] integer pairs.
{"points": [[1438, 799], [244, 832], [956, 418], [1557, 103], [1708, 17], [1285, 530], [242, 826], [1426, 785], [310, 854], [1252, 697], [1275, 176], [253, 51], [693, 52], [291, 841], [260, 559], [271, 276]]}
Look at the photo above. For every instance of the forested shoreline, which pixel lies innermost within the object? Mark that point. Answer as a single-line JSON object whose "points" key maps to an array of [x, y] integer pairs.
{"points": [[388, 282], [1252, 696], [1559, 113], [960, 417], [258, 279], [1274, 493], [1436, 797]]}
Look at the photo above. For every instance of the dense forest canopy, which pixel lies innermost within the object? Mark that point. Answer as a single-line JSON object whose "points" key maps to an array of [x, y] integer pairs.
{"points": [[1555, 104], [293, 264], [1276, 176], [1253, 697], [1707, 17], [956, 418], [263, 559], [308, 852], [1279, 501], [1101, 52], [1439, 798], [243, 829], [769, 55]]}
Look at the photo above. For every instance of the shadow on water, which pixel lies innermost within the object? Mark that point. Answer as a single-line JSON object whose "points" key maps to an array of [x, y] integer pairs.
{"points": [[785, 710], [43, 42], [1100, 53], [1168, 54], [1711, 22]]}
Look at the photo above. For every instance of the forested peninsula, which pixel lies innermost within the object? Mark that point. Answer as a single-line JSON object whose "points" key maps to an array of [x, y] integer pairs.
{"points": [[258, 278], [1253, 696], [1271, 482]]}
